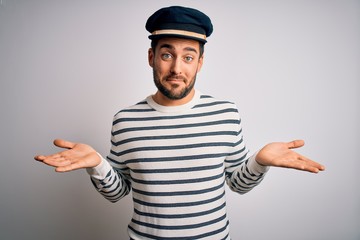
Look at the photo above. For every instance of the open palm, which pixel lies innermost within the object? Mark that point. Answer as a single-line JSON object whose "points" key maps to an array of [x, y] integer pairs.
{"points": [[280, 154], [76, 156]]}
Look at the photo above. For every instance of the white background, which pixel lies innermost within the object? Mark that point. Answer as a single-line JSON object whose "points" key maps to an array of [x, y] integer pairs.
{"points": [[292, 67]]}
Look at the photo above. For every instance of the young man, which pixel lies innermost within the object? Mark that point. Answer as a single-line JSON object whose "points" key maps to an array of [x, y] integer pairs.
{"points": [[176, 149]]}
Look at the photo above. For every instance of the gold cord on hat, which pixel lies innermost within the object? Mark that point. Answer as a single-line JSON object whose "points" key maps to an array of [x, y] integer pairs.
{"points": [[179, 32]]}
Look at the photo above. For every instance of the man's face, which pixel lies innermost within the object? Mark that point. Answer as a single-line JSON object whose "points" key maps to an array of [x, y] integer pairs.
{"points": [[175, 64]]}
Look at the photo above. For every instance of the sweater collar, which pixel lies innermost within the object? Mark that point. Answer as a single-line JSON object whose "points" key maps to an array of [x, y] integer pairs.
{"points": [[174, 109]]}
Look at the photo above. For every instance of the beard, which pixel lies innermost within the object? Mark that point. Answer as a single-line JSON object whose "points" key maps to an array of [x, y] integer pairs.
{"points": [[173, 92]]}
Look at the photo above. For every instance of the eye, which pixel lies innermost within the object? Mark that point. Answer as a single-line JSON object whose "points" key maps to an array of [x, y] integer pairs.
{"points": [[188, 58], [166, 56]]}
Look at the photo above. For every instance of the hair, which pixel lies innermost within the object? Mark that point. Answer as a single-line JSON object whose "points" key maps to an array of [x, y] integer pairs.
{"points": [[154, 43]]}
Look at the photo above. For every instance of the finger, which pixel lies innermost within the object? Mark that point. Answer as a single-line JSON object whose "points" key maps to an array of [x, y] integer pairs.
{"points": [[59, 143], [309, 168], [295, 144], [90, 160], [69, 167], [309, 165], [52, 156], [43, 158], [39, 157], [313, 165], [310, 162], [63, 143], [58, 162], [301, 166]]}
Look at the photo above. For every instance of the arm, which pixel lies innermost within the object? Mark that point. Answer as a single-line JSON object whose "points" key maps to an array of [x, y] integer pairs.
{"points": [[243, 172], [112, 184], [251, 171], [245, 175], [110, 181]]}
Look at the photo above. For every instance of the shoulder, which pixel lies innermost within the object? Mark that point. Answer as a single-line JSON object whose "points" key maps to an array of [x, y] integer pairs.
{"points": [[137, 110], [208, 101], [140, 106]]}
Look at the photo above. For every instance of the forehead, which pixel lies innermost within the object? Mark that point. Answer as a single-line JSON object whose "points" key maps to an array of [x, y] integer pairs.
{"points": [[178, 44]]}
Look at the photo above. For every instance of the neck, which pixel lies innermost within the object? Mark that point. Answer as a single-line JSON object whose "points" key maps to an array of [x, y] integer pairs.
{"points": [[161, 99]]}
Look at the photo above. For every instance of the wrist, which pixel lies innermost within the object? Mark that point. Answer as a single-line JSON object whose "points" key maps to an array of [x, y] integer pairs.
{"points": [[256, 165], [100, 170]]}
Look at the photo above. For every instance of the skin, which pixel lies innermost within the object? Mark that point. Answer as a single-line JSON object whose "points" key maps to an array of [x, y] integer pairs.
{"points": [[175, 63]]}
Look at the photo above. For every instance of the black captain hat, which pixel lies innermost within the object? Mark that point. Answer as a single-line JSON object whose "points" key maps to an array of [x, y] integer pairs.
{"points": [[177, 21]]}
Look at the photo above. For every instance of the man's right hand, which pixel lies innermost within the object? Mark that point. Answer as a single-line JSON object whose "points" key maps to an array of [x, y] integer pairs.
{"points": [[76, 156]]}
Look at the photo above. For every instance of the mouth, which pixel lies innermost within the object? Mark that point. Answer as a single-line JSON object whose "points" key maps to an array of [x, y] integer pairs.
{"points": [[175, 79]]}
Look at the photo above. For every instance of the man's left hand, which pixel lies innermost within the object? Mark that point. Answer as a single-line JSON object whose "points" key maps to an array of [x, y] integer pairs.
{"points": [[279, 154]]}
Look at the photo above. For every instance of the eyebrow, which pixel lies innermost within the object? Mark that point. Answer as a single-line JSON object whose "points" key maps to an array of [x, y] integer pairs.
{"points": [[190, 49]]}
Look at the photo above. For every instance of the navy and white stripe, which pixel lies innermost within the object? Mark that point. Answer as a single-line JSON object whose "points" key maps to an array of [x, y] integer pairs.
{"points": [[176, 160]]}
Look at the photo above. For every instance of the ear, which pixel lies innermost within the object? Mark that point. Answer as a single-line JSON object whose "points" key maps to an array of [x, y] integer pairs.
{"points": [[201, 61], [151, 57]]}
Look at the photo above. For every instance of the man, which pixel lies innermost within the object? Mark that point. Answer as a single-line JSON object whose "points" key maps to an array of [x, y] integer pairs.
{"points": [[176, 149]]}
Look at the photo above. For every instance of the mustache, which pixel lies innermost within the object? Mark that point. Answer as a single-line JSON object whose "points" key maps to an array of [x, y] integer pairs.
{"points": [[175, 76]]}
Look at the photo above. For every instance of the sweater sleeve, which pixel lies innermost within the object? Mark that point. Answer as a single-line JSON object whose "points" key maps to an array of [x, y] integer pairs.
{"points": [[246, 176], [108, 181], [242, 172]]}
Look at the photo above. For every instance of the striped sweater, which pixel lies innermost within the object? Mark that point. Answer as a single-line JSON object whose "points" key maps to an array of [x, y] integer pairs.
{"points": [[176, 161]]}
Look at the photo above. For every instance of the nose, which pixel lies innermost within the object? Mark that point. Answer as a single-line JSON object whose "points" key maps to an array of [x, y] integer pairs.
{"points": [[176, 66]]}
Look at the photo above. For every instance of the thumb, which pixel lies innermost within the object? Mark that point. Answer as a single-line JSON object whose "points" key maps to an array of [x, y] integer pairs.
{"points": [[295, 144], [63, 143]]}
